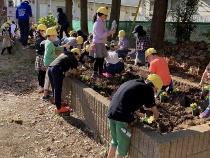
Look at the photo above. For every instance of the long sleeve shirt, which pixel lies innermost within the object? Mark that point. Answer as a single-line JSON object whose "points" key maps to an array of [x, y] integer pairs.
{"points": [[143, 43], [23, 11], [49, 54], [38, 46], [112, 58], [123, 44], [100, 32]]}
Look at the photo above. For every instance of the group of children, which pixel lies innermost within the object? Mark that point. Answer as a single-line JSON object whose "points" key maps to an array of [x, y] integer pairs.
{"points": [[56, 58]]}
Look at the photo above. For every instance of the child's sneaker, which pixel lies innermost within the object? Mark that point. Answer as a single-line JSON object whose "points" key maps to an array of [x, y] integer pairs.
{"points": [[206, 113], [62, 110]]}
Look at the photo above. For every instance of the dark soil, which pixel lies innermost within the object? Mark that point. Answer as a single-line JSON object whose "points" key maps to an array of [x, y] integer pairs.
{"points": [[187, 60], [176, 112]]}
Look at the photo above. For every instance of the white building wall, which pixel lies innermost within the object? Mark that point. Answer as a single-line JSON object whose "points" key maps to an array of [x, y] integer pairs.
{"points": [[128, 9]]}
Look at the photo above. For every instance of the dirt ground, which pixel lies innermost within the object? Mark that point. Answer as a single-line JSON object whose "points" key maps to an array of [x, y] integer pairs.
{"points": [[29, 128]]}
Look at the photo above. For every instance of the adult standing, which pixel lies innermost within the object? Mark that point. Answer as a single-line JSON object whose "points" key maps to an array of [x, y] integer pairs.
{"points": [[62, 20], [143, 42], [23, 14], [100, 34]]}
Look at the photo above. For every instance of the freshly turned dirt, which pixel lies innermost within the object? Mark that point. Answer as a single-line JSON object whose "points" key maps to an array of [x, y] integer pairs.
{"points": [[187, 60], [176, 112]]}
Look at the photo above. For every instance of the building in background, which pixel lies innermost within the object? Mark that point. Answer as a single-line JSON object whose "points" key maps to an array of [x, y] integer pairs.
{"points": [[41, 8]]}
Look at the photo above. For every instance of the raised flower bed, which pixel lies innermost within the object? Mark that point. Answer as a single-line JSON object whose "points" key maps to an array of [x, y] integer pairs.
{"points": [[192, 142]]}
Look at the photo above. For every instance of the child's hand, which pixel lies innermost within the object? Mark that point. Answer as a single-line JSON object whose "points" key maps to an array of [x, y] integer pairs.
{"points": [[66, 46], [139, 114]]}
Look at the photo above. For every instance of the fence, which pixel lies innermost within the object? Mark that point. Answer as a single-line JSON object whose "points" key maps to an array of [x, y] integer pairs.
{"points": [[197, 35]]}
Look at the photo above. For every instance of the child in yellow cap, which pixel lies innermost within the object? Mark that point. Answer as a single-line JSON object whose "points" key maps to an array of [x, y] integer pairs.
{"points": [[65, 62], [50, 55], [205, 80], [39, 64], [100, 34], [7, 41], [123, 45]]}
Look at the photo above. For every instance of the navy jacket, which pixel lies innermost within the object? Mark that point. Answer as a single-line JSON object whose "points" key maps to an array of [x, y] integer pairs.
{"points": [[23, 12]]}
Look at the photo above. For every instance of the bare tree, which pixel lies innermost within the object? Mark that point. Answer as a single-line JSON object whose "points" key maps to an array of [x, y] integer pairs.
{"points": [[115, 12], [158, 23], [69, 5], [84, 16]]}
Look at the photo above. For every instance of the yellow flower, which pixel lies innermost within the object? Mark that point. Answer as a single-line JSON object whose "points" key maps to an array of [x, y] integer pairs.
{"points": [[193, 105], [151, 119], [164, 94]]}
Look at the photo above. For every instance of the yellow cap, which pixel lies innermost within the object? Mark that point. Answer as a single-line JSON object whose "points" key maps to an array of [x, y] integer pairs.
{"points": [[79, 40], [51, 31], [121, 33], [9, 21], [87, 48], [103, 10], [42, 27], [5, 26], [156, 81], [76, 51], [72, 32], [34, 26], [150, 51]]}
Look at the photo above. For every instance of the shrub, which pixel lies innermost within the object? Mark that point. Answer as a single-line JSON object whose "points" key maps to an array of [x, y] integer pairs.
{"points": [[48, 20]]}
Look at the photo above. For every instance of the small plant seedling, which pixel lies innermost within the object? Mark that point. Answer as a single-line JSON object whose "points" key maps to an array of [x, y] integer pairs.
{"points": [[206, 88], [148, 120], [124, 78], [163, 96], [194, 106]]}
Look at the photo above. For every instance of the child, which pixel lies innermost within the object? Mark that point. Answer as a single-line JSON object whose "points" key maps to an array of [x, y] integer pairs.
{"points": [[7, 41], [80, 42], [57, 69], [39, 64], [206, 76], [89, 40], [113, 64], [49, 56], [122, 50], [159, 66], [73, 33], [142, 44], [122, 109], [13, 27], [73, 42], [32, 31], [100, 35]]}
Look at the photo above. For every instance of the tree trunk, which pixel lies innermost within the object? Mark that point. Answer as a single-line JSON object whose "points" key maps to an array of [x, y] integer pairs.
{"points": [[83, 16], [115, 13], [158, 23], [1, 4], [69, 5]]}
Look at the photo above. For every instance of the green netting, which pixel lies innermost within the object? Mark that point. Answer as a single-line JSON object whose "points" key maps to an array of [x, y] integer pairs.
{"points": [[197, 35]]}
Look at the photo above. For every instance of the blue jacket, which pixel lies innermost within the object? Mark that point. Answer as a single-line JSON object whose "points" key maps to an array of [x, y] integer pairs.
{"points": [[23, 11]]}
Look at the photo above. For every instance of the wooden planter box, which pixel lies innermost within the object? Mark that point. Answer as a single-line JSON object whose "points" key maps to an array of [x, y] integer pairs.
{"points": [[92, 107]]}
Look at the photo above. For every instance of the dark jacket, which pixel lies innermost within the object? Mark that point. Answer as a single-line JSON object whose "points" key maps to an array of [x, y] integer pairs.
{"points": [[23, 12], [39, 48], [65, 61], [62, 19]]}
